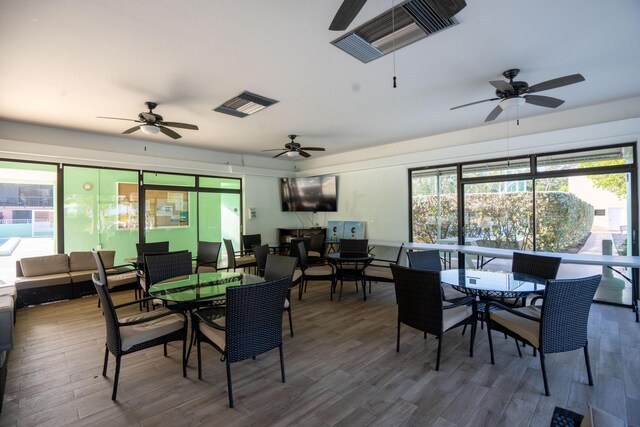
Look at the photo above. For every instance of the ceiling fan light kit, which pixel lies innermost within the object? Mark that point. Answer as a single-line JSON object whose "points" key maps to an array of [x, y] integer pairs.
{"points": [[512, 102], [149, 129]]}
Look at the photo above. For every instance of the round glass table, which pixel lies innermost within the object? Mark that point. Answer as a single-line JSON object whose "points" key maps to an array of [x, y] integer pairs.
{"points": [[349, 266], [200, 286], [492, 284]]}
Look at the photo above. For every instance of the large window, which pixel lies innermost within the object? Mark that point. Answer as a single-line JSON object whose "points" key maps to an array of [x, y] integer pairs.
{"points": [[578, 201]]}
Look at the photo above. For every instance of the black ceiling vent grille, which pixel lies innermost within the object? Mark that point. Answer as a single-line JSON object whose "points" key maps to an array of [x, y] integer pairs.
{"points": [[245, 104], [408, 23]]}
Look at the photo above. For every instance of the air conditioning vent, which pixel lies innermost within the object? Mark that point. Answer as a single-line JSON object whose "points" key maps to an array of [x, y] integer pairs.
{"points": [[245, 104], [408, 23]]}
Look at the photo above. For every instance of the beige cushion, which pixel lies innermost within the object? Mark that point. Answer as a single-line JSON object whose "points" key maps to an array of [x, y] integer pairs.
{"points": [[297, 274], [217, 336], [44, 265], [8, 290], [79, 261], [314, 254], [319, 270], [373, 272], [137, 334], [42, 281], [81, 276], [204, 269], [598, 418], [455, 315], [527, 329], [245, 259], [450, 293], [286, 303], [122, 279]]}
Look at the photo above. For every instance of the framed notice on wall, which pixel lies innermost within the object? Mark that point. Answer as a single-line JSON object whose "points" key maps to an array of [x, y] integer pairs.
{"points": [[166, 208], [127, 193]]}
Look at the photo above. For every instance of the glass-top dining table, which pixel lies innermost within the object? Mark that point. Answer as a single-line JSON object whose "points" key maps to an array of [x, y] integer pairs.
{"points": [[492, 284], [200, 287]]}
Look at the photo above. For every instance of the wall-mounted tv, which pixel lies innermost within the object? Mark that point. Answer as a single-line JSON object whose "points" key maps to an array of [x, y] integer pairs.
{"points": [[310, 194]]}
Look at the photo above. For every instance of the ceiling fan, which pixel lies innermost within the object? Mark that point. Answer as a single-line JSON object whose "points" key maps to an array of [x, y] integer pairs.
{"points": [[294, 149], [517, 93], [350, 9], [153, 123]]}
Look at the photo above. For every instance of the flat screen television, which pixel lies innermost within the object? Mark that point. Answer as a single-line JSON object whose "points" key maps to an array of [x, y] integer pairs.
{"points": [[310, 194]]}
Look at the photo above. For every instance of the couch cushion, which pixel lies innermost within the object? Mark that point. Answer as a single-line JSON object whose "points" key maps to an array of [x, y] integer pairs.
{"points": [[45, 265], [81, 276], [79, 261], [42, 281]]}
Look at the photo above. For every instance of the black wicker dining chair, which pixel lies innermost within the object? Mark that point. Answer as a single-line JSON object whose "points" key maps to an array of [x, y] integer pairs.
{"points": [[236, 259], [321, 272], [260, 253], [354, 245], [542, 266], [249, 241], [315, 253], [278, 266], [207, 257], [379, 270], [430, 260], [252, 325], [559, 325], [421, 305], [126, 335], [118, 275]]}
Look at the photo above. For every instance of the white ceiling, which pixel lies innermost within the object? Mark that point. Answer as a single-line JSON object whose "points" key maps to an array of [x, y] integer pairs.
{"points": [[64, 62]]}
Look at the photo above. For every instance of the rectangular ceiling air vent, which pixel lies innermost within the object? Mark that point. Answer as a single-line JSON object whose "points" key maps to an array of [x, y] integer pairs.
{"points": [[245, 104], [405, 24]]}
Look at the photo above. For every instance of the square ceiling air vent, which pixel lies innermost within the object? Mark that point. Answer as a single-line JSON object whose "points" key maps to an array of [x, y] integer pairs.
{"points": [[245, 104], [396, 28]]}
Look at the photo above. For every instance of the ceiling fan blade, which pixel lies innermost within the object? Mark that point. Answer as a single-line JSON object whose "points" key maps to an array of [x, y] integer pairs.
{"points": [[169, 132], [180, 125], [119, 118], [278, 155], [494, 113], [501, 85], [312, 148], [473, 103], [543, 101], [554, 83], [346, 14], [133, 129], [304, 153], [276, 149]]}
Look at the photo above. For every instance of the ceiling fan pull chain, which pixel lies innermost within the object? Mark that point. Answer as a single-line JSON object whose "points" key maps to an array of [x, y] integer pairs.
{"points": [[393, 30]]}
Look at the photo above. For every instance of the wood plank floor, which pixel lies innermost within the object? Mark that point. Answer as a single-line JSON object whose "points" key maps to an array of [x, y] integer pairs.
{"points": [[342, 369]]}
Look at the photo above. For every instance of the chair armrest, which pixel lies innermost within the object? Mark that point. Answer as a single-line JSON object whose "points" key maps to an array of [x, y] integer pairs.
{"points": [[152, 317], [459, 302], [510, 310], [137, 301], [533, 301], [206, 316]]}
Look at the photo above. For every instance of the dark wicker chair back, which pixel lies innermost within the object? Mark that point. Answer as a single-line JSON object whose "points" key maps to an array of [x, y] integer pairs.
{"points": [[208, 254], [102, 272], [148, 248], [261, 252], [113, 339], [248, 333], [419, 297], [354, 245], [545, 267], [316, 243], [251, 240], [300, 252], [294, 252], [425, 260], [565, 313], [278, 266], [231, 255], [165, 266]]}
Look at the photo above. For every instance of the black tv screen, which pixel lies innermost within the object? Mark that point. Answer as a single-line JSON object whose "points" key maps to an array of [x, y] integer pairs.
{"points": [[310, 194]]}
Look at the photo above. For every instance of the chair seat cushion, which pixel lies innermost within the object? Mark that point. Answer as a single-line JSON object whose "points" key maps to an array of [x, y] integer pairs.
{"points": [[286, 303], [319, 270], [155, 328], [376, 272], [451, 293], [204, 269], [217, 336], [314, 254], [527, 329], [455, 315], [297, 275], [121, 279], [42, 281]]}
